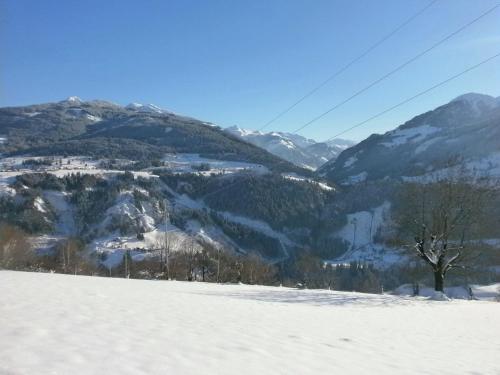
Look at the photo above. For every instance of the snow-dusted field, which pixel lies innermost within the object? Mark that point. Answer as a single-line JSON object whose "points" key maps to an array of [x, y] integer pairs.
{"points": [[58, 324], [184, 163]]}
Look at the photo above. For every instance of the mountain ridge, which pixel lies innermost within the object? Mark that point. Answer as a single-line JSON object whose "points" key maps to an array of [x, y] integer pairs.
{"points": [[424, 143], [147, 129]]}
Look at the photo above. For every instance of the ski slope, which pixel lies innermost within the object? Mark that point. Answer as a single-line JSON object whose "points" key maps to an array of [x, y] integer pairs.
{"points": [[60, 324]]}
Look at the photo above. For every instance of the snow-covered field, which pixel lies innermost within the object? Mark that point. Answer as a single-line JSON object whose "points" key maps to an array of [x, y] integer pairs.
{"points": [[400, 136], [58, 324], [12, 167], [295, 177], [185, 163]]}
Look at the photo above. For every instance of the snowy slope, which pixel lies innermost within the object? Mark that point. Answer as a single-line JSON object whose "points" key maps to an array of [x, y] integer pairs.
{"points": [[103, 238], [360, 235], [58, 324]]}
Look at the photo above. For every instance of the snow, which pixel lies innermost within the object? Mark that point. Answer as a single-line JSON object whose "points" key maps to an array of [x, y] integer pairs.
{"points": [[39, 204], [356, 179], [93, 118], [63, 324], [325, 186], [424, 146], [341, 143], [114, 245], [481, 292], [349, 162], [301, 151], [212, 235], [44, 244], [287, 144], [380, 256], [488, 166], [183, 201], [478, 102], [148, 108], [401, 136], [3, 140], [236, 130], [5, 180], [296, 177], [184, 163], [13, 166], [359, 233], [65, 212], [259, 226], [6, 190], [73, 99], [365, 225]]}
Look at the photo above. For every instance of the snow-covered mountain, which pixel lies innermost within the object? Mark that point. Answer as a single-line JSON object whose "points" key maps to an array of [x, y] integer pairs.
{"points": [[103, 172], [58, 160], [466, 129], [138, 107], [136, 131], [301, 151]]}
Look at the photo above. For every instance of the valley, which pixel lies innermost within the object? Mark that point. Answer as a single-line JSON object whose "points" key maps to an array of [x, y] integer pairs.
{"points": [[123, 180]]}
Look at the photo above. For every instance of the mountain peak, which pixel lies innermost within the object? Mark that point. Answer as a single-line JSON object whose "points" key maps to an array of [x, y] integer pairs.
{"points": [[139, 107], [73, 99], [479, 103], [236, 130], [475, 99]]}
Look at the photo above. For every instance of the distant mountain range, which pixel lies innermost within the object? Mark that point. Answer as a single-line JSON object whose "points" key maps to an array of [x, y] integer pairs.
{"points": [[295, 148]]}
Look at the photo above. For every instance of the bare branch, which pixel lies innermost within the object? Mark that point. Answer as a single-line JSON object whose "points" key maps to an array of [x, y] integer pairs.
{"points": [[450, 263]]}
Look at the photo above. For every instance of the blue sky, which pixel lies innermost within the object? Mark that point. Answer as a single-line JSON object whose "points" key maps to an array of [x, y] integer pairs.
{"points": [[239, 62]]}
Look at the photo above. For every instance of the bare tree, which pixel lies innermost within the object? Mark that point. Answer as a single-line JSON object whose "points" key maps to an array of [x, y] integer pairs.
{"points": [[255, 270], [443, 215], [127, 263], [15, 249], [189, 253], [204, 262], [166, 243]]}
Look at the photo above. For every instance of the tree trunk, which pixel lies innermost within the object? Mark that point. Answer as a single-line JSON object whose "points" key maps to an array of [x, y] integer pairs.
{"points": [[438, 281]]}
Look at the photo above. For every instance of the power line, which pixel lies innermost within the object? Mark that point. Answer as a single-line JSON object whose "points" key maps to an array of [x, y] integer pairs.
{"points": [[416, 96], [400, 67], [242, 179], [349, 64], [397, 105], [369, 119]]}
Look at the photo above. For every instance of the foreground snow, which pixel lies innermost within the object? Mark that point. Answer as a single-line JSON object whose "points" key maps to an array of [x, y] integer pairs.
{"points": [[58, 324]]}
